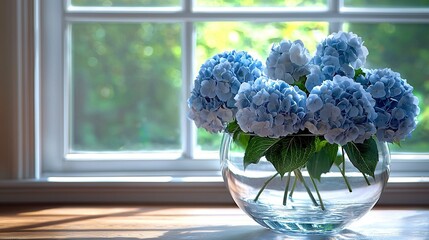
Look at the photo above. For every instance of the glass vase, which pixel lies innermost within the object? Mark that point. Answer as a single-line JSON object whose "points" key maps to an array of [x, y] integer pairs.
{"points": [[341, 196]]}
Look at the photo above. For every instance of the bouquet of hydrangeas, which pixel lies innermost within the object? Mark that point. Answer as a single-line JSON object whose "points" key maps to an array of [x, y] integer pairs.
{"points": [[298, 109]]}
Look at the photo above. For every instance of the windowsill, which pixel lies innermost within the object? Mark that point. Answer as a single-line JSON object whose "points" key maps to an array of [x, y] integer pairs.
{"points": [[184, 188]]}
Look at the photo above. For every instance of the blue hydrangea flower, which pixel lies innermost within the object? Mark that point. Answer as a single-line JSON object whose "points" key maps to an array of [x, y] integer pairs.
{"points": [[288, 61], [270, 108], [340, 53], [212, 103], [395, 104], [341, 110], [315, 78]]}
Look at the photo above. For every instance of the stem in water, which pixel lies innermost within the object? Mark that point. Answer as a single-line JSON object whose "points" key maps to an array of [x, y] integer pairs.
{"points": [[366, 179], [264, 186], [301, 178], [293, 186], [322, 206], [345, 179], [286, 189], [343, 171]]}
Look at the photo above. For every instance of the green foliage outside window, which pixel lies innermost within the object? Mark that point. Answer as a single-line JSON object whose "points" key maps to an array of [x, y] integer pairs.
{"points": [[126, 82]]}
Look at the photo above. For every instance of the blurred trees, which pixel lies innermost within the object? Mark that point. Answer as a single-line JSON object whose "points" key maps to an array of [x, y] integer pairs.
{"points": [[126, 84]]}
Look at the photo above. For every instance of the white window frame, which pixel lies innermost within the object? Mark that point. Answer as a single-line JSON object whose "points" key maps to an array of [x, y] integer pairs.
{"points": [[40, 167]]}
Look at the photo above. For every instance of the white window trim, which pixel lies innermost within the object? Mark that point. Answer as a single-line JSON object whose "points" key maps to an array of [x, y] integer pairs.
{"points": [[173, 187]]}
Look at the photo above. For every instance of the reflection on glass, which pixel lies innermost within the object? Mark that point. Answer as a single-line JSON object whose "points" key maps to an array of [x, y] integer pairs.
{"points": [[125, 3], [125, 87], [260, 3], [404, 49], [386, 3], [255, 38]]}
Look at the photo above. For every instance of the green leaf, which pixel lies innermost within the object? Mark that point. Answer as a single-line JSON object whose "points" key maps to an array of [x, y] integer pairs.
{"points": [[232, 127], [241, 139], [291, 153], [338, 160], [397, 143], [301, 84], [364, 156], [359, 72], [320, 144], [321, 161], [256, 148]]}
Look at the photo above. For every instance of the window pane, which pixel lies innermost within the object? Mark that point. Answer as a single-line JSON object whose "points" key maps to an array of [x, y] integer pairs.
{"points": [[255, 38], [126, 81], [260, 3], [386, 3], [404, 49], [125, 3]]}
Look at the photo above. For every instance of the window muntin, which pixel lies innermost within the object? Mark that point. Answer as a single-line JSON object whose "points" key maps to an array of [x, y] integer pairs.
{"points": [[260, 3], [125, 3], [387, 3]]}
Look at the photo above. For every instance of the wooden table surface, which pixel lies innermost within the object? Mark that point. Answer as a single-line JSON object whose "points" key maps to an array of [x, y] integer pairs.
{"points": [[186, 222]]}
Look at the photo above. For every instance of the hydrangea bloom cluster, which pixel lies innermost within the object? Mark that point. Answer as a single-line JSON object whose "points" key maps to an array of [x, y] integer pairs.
{"points": [[212, 103], [396, 106], [340, 53], [315, 78], [288, 61], [321, 94], [341, 110], [270, 108]]}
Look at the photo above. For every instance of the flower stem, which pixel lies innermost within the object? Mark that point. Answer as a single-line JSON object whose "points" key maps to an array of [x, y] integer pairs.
{"points": [[366, 179], [264, 186], [301, 178], [343, 171], [293, 186], [344, 162], [322, 206], [286, 189], [345, 179]]}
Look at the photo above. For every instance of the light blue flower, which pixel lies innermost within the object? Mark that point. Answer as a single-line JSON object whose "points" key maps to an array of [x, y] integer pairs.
{"points": [[340, 53], [212, 103], [315, 78], [288, 61], [270, 108], [341, 110], [395, 104]]}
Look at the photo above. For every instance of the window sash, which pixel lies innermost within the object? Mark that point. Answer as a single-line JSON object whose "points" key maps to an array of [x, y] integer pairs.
{"points": [[56, 16]]}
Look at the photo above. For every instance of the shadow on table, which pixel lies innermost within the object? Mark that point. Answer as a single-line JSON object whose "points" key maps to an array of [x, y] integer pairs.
{"points": [[248, 233]]}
